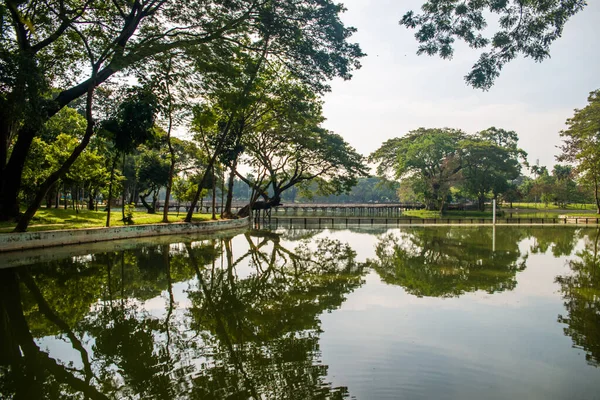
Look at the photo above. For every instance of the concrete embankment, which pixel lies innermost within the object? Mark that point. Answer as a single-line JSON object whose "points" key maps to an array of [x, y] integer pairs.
{"points": [[34, 240]]}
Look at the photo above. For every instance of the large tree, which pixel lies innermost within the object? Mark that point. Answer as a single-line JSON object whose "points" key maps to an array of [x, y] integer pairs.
{"points": [[287, 147], [490, 160], [525, 27], [427, 158], [582, 144]]}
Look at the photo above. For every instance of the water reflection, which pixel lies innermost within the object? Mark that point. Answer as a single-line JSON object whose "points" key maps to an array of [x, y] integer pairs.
{"points": [[581, 294], [241, 317], [250, 335], [448, 262]]}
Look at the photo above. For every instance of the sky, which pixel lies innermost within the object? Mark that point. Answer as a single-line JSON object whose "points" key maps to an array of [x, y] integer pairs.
{"points": [[397, 91]]}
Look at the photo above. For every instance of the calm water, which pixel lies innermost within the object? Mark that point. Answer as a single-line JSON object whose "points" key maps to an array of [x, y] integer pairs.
{"points": [[411, 313]]}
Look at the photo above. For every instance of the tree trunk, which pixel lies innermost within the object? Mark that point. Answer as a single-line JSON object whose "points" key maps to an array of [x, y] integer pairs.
{"points": [[442, 204], [49, 198], [227, 211], [202, 184], [481, 202], [597, 194], [10, 182], [124, 196], [172, 154], [73, 197], [91, 197], [110, 190], [260, 205], [169, 184], [214, 195], [76, 200], [155, 199], [149, 208]]}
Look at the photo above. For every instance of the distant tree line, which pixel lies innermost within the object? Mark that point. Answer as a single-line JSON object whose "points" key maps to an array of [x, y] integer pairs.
{"points": [[439, 166]]}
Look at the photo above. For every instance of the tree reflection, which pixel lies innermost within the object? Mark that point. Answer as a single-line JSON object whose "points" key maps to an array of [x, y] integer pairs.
{"points": [[251, 330], [448, 262], [270, 329], [581, 293], [559, 240]]}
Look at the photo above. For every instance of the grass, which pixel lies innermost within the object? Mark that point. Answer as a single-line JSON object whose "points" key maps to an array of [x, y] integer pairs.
{"points": [[503, 213], [550, 206], [58, 218], [448, 214]]}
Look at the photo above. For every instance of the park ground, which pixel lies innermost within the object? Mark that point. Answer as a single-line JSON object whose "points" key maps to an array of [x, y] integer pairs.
{"points": [[58, 218]]}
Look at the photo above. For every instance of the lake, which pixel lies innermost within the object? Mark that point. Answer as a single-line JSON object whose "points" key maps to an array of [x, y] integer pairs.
{"points": [[366, 313]]}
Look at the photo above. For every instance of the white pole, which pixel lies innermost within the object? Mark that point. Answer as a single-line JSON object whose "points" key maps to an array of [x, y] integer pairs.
{"points": [[494, 226]]}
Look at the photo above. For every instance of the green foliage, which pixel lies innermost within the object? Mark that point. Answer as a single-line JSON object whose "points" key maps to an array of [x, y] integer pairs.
{"points": [[133, 123], [185, 188], [47, 44], [129, 209], [428, 158], [89, 171], [525, 28], [582, 144], [367, 190], [491, 161], [286, 145], [433, 164]]}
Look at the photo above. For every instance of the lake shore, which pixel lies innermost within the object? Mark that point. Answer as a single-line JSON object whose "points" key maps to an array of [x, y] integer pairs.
{"points": [[43, 239]]}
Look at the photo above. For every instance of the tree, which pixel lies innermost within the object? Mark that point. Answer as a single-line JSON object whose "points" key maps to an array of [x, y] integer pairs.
{"points": [[153, 174], [49, 45], [428, 158], [165, 75], [490, 160], [310, 43], [582, 144], [565, 187], [131, 126], [287, 155], [525, 27]]}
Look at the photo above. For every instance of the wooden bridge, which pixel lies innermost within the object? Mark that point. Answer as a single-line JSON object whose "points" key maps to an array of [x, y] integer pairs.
{"points": [[346, 209], [358, 210]]}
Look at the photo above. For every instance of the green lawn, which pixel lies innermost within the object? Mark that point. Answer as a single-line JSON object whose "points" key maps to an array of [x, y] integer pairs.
{"points": [[505, 213], [448, 214], [542, 206], [58, 218]]}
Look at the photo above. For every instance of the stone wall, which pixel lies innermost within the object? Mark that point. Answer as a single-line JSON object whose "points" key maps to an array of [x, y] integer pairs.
{"points": [[32, 240]]}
